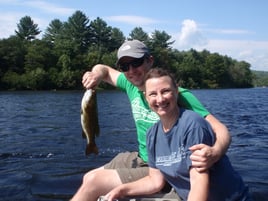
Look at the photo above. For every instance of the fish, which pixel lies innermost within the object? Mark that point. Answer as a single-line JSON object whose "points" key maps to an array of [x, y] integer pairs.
{"points": [[89, 120]]}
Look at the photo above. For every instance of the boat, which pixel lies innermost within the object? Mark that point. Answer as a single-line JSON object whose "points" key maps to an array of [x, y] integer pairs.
{"points": [[169, 196]]}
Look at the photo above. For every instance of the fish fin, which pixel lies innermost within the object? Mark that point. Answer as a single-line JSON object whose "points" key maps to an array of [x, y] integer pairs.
{"points": [[92, 148], [83, 134], [97, 130]]}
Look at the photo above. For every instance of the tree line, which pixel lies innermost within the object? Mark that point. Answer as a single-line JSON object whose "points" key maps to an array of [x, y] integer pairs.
{"points": [[68, 49]]}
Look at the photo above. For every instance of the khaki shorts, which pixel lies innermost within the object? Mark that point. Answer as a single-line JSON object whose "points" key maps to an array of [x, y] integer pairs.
{"points": [[129, 166]]}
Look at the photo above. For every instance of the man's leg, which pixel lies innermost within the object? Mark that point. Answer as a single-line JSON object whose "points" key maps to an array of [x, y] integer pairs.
{"points": [[125, 167], [97, 182]]}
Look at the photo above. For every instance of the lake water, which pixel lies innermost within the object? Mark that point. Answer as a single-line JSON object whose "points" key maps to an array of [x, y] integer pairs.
{"points": [[42, 152]]}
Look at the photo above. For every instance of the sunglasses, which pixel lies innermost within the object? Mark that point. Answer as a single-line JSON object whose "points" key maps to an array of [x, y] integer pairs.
{"points": [[135, 63]]}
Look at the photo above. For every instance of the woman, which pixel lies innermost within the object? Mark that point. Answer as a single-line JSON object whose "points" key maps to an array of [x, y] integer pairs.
{"points": [[168, 143]]}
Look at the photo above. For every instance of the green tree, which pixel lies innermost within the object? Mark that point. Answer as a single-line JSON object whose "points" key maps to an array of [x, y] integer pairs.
{"points": [[77, 29], [102, 50], [101, 35], [11, 80], [53, 31], [260, 78], [189, 70], [215, 70], [241, 75], [73, 41], [117, 38], [38, 55], [69, 48], [160, 46], [160, 39], [138, 34], [27, 29], [66, 78], [35, 79], [12, 51], [102, 40]]}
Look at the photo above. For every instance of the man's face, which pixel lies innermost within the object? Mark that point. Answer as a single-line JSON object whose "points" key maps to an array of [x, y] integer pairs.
{"points": [[135, 69]]}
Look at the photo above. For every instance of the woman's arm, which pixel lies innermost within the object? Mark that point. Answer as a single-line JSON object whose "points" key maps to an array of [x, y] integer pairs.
{"points": [[204, 156], [199, 182], [150, 184]]}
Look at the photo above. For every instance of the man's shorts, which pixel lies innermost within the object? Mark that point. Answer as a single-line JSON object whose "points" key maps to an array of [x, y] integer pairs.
{"points": [[129, 166]]}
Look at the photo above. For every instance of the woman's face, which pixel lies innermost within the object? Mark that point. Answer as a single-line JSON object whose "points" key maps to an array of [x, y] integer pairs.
{"points": [[161, 95]]}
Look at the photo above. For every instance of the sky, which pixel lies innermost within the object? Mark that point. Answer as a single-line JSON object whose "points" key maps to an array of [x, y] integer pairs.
{"points": [[235, 28]]}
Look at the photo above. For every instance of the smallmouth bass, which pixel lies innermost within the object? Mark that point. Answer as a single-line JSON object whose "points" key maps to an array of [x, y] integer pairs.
{"points": [[89, 120]]}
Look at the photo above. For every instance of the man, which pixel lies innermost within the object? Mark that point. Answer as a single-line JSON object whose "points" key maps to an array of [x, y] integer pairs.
{"points": [[134, 60]]}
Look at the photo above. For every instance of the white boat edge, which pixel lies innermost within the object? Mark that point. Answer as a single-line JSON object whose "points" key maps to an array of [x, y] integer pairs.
{"points": [[171, 196]]}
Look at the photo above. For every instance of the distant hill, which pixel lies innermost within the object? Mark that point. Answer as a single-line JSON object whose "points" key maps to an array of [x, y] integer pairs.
{"points": [[260, 78]]}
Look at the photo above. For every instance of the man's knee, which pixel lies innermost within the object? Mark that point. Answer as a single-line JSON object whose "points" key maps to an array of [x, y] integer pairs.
{"points": [[90, 177]]}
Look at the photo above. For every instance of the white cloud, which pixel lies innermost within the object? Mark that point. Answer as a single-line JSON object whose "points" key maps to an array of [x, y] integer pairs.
{"points": [[42, 14], [9, 2], [8, 24], [253, 52], [9, 21], [229, 31], [189, 36], [50, 8], [40, 5]]}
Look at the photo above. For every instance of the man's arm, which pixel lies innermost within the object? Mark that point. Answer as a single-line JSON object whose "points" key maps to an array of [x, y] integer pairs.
{"points": [[100, 72], [204, 156]]}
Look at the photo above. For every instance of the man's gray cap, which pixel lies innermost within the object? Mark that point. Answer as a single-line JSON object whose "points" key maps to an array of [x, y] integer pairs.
{"points": [[132, 48]]}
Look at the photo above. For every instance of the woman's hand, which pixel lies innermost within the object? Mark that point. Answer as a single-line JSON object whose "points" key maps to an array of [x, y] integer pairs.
{"points": [[114, 194]]}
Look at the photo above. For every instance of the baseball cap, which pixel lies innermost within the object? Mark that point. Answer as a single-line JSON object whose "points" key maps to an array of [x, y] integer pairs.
{"points": [[132, 48]]}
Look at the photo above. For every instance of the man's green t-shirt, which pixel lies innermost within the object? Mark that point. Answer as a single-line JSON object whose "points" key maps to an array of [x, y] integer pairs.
{"points": [[144, 117]]}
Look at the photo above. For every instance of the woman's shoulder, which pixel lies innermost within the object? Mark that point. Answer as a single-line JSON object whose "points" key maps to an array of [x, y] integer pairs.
{"points": [[191, 116]]}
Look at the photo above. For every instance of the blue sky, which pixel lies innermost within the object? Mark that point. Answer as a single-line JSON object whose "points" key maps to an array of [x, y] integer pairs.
{"points": [[236, 28]]}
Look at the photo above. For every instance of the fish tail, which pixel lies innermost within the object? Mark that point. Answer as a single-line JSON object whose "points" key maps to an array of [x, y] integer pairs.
{"points": [[92, 148]]}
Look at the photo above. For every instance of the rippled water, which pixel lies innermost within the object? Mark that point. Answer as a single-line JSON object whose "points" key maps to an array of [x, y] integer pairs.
{"points": [[42, 152]]}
